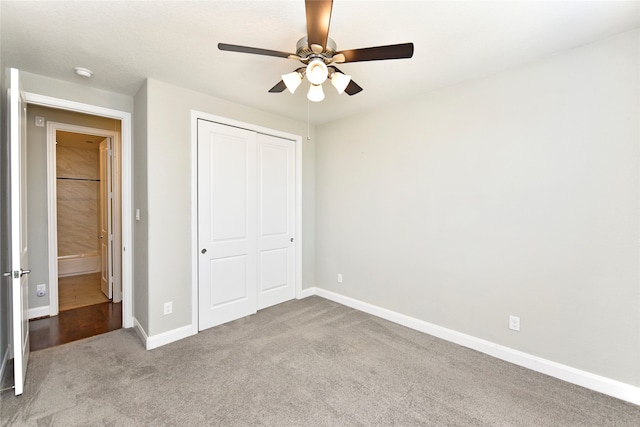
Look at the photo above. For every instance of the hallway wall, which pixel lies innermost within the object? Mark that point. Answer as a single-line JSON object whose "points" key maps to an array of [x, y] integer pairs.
{"points": [[37, 188], [78, 190]]}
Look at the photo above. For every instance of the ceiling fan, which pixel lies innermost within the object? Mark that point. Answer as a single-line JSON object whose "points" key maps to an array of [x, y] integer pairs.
{"points": [[318, 52]]}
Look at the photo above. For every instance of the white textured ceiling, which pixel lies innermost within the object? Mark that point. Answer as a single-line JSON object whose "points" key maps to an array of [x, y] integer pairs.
{"points": [[124, 42]]}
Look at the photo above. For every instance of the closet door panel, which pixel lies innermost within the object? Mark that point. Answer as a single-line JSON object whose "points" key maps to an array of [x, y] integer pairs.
{"points": [[246, 222], [227, 223], [276, 220]]}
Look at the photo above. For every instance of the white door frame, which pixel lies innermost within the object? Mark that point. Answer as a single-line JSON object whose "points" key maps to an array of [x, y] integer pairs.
{"points": [[52, 201], [195, 115], [127, 185]]}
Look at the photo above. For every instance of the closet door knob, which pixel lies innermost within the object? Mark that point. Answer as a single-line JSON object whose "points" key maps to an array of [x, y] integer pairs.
{"points": [[204, 251], [100, 236]]}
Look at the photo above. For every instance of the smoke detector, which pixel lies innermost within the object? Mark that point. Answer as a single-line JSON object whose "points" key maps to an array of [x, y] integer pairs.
{"points": [[83, 72]]}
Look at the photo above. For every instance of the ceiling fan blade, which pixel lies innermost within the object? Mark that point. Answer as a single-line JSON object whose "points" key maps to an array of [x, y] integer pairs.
{"points": [[378, 53], [352, 88], [253, 50], [318, 20], [279, 87]]}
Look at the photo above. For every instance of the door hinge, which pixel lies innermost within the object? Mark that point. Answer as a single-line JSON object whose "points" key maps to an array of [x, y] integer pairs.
{"points": [[110, 194]]}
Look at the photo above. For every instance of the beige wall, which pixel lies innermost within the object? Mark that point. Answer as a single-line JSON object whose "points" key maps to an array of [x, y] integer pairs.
{"points": [[78, 193], [515, 194]]}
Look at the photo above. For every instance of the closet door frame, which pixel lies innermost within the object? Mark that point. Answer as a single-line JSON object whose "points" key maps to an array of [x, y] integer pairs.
{"points": [[197, 115]]}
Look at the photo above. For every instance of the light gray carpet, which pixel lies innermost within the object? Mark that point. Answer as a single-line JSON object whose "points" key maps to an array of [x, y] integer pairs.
{"points": [[304, 363]]}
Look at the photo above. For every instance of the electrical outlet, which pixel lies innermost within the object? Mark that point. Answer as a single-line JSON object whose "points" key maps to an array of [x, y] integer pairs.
{"points": [[339, 278], [168, 307], [41, 290], [514, 323]]}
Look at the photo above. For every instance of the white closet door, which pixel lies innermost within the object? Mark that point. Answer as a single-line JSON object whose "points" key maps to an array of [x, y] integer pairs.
{"points": [[276, 220], [227, 223]]}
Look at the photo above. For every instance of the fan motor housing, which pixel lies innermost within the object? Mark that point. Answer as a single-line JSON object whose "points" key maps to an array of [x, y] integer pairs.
{"points": [[304, 51]]}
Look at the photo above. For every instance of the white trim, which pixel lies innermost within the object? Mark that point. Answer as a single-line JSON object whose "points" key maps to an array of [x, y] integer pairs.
{"points": [[52, 221], [140, 331], [308, 292], [566, 373], [127, 186], [298, 195], [194, 221], [155, 341], [195, 115], [52, 199], [36, 312]]}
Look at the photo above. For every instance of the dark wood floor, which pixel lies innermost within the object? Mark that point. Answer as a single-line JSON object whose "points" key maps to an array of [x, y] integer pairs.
{"points": [[73, 325]]}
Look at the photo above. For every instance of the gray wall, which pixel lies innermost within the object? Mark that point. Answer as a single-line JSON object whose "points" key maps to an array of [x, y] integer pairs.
{"points": [[168, 193], [37, 188], [140, 228], [77, 92], [516, 194]]}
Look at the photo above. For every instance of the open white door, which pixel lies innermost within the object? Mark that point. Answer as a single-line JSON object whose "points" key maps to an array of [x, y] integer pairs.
{"points": [[106, 233], [19, 254]]}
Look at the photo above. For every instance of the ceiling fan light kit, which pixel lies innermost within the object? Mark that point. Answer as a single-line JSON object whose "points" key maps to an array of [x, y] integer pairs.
{"points": [[340, 81], [318, 52], [315, 94], [317, 71], [292, 80]]}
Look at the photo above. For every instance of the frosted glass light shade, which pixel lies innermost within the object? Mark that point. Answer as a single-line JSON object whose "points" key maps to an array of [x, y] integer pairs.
{"points": [[315, 93], [340, 81], [292, 80], [317, 72]]}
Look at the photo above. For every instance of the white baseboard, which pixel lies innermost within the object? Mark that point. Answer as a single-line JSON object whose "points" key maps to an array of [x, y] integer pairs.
{"points": [[155, 341], [308, 292], [38, 312], [572, 375], [140, 331]]}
